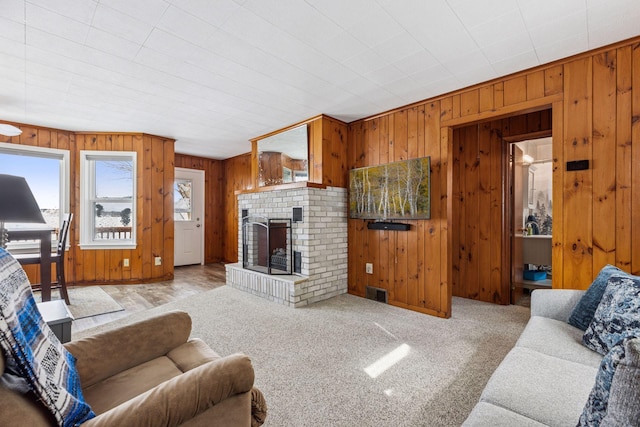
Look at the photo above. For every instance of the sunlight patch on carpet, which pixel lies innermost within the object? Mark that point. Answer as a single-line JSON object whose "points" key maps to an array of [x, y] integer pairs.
{"points": [[387, 361]]}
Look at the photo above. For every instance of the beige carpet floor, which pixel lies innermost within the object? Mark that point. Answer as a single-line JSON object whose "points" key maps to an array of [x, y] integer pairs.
{"points": [[349, 361]]}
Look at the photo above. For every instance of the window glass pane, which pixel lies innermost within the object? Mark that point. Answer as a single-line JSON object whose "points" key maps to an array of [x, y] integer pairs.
{"points": [[114, 179], [182, 200], [112, 221], [43, 176], [108, 199]]}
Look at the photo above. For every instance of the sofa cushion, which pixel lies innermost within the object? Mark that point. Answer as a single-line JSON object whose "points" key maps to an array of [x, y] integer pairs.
{"points": [[557, 338], [624, 397], [128, 384], [547, 389], [39, 357], [485, 414], [617, 316], [615, 397], [583, 313], [555, 303], [192, 354]]}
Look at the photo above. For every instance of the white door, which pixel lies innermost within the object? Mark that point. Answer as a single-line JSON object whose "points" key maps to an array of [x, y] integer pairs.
{"points": [[188, 214]]}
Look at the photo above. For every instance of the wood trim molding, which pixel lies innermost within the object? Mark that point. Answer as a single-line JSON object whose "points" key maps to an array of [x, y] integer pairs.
{"points": [[307, 121], [288, 186], [507, 111]]}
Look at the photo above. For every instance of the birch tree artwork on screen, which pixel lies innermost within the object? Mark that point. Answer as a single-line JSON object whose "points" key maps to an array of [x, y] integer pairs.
{"points": [[398, 190]]}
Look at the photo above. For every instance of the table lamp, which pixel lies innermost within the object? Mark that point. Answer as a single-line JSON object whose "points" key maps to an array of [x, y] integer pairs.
{"points": [[17, 204]]}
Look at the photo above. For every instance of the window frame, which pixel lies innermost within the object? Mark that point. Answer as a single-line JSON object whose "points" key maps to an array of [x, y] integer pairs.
{"points": [[63, 156], [87, 198]]}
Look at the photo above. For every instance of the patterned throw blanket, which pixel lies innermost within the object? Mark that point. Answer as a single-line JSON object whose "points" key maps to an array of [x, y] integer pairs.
{"points": [[37, 354]]}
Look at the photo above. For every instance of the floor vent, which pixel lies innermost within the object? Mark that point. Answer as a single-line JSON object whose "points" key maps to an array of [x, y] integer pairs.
{"points": [[377, 294]]}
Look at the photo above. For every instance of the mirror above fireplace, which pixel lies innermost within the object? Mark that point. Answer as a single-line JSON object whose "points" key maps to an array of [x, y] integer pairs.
{"points": [[283, 157]]}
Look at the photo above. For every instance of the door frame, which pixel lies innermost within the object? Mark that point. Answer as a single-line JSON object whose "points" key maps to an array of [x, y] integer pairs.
{"points": [[508, 198], [555, 104], [201, 178]]}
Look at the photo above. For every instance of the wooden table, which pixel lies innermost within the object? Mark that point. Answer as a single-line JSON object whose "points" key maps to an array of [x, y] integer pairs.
{"points": [[42, 233]]}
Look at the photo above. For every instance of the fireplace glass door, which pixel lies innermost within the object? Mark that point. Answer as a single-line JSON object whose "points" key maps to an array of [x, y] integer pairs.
{"points": [[267, 245]]}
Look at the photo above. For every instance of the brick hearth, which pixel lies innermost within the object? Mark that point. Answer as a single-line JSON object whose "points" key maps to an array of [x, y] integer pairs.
{"points": [[321, 238]]}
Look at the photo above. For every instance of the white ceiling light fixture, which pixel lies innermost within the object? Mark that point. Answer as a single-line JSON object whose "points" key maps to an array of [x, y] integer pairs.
{"points": [[9, 130]]}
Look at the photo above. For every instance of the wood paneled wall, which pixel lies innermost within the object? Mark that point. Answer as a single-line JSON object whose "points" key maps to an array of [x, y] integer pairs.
{"points": [[214, 217], [237, 177], [594, 100], [154, 221], [330, 139], [410, 265]]}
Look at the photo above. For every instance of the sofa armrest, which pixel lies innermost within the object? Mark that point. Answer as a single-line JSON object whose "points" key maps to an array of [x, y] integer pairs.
{"points": [[554, 303], [108, 353], [181, 398]]}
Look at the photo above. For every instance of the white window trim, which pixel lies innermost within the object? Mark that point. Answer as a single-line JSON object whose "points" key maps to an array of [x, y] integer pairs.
{"points": [[49, 153], [87, 183]]}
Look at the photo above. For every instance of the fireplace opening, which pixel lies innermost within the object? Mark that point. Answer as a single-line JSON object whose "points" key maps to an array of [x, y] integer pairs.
{"points": [[267, 245]]}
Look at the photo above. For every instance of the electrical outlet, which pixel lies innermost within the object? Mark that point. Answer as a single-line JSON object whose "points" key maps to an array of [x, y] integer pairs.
{"points": [[158, 260], [369, 268], [125, 262]]}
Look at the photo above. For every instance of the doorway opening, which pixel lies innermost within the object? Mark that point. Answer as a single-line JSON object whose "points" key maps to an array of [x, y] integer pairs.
{"points": [[483, 229], [531, 216]]}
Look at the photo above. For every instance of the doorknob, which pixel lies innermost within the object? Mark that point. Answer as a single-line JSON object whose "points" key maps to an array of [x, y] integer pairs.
{"points": [[198, 225]]}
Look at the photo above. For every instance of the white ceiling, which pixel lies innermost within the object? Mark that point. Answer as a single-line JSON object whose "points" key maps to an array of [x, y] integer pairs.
{"points": [[214, 73]]}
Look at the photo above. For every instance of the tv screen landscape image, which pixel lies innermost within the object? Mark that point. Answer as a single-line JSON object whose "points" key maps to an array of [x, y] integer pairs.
{"points": [[398, 190]]}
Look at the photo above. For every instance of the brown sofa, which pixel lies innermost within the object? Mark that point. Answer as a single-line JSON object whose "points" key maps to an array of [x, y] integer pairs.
{"points": [[150, 374]]}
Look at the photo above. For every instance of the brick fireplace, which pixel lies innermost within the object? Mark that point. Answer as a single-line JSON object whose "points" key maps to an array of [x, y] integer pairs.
{"points": [[320, 239]]}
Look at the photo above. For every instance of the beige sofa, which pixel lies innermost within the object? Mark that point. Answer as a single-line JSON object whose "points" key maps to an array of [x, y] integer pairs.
{"points": [[150, 373], [546, 378]]}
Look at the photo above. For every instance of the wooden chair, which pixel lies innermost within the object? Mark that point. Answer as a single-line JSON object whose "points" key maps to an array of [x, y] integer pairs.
{"points": [[57, 258]]}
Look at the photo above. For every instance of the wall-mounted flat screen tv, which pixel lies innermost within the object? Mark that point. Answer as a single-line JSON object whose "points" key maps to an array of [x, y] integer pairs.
{"points": [[398, 190]]}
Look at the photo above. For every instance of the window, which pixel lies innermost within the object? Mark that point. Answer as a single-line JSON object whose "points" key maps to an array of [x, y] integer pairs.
{"points": [[47, 173], [182, 210], [108, 199]]}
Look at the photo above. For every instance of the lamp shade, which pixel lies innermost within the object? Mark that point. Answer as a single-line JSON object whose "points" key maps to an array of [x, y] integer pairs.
{"points": [[17, 203]]}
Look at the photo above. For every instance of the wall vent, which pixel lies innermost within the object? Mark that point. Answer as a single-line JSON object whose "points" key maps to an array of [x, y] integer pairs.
{"points": [[376, 294]]}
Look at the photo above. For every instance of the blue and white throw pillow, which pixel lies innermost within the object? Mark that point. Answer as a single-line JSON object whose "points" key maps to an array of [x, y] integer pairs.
{"points": [[615, 398], [38, 356], [583, 313], [617, 316]]}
